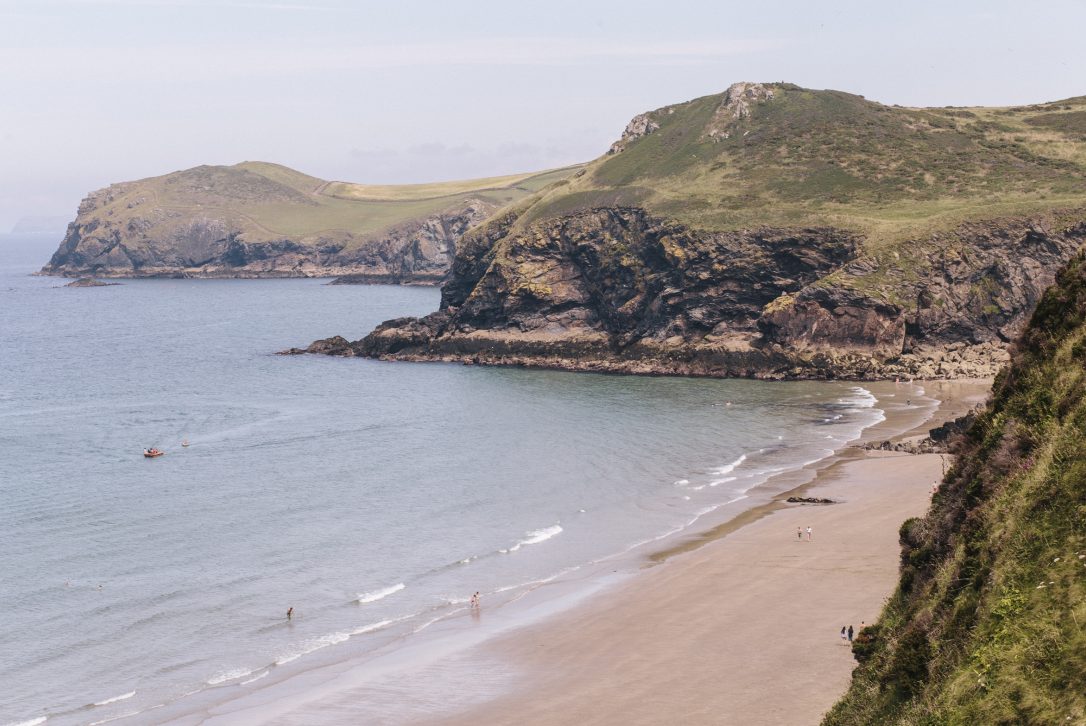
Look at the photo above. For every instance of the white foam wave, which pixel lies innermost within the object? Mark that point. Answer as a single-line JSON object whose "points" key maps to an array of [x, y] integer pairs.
{"points": [[535, 536], [311, 646], [375, 595], [682, 482], [725, 480], [229, 676], [122, 697], [255, 678], [375, 626], [31, 722], [114, 718], [729, 468], [863, 398]]}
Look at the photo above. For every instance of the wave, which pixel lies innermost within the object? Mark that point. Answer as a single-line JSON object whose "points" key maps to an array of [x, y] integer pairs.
{"points": [[729, 468], [115, 718], [682, 482], [375, 595], [229, 676], [324, 641], [725, 480], [257, 678], [122, 697], [863, 398], [31, 722], [535, 536], [311, 646]]}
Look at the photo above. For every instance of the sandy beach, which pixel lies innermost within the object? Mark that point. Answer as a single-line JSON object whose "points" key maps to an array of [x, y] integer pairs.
{"points": [[735, 624], [742, 630]]}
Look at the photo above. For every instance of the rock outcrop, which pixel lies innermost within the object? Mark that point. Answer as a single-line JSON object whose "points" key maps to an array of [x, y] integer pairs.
{"points": [[90, 282], [617, 290]]}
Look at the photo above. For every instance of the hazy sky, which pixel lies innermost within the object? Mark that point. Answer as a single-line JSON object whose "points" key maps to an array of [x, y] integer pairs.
{"points": [[96, 91]]}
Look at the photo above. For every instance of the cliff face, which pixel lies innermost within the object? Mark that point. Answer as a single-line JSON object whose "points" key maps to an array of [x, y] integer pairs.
{"points": [[772, 231], [147, 245], [617, 290], [263, 220], [986, 625]]}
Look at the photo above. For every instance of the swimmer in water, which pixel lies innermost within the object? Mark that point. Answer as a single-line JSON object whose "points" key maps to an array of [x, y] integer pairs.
{"points": [[290, 612]]}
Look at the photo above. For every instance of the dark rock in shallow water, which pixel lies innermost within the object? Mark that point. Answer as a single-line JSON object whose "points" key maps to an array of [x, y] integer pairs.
{"points": [[336, 345], [810, 500], [90, 282]]}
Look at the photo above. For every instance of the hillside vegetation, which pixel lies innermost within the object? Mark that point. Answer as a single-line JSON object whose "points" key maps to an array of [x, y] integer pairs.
{"points": [[257, 217], [988, 623], [775, 231]]}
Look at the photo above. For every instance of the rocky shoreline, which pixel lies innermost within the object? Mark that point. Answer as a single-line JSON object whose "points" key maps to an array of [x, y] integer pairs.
{"points": [[772, 304]]}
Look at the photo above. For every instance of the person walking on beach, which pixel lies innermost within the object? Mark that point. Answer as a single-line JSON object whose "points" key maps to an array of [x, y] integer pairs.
{"points": [[850, 631], [808, 534], [475, 601], [799, 533], [844, 635]]}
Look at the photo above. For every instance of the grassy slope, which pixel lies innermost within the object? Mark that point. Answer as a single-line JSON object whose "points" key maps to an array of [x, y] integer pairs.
{"points": [[826, 158], [271, 201], [988, 625]]}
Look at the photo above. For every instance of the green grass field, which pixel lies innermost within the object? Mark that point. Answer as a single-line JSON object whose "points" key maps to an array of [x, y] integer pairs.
{"points": [[268, 201]]}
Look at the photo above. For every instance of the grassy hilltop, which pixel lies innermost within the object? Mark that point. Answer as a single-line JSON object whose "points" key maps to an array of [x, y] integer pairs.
{"points": [[261, 218], [785, 156], [772, 230], [988, 623]]}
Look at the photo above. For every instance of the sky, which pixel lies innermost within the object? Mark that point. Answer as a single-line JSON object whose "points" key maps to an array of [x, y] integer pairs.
{"points": [[100, 91]]}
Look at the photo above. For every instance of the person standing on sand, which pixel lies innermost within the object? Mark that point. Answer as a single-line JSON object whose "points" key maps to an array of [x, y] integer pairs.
{"points": [[850, 631], [808, 534], [844, 635], [799, 533]]}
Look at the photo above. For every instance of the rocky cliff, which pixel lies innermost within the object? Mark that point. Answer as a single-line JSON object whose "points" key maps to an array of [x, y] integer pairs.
{"points": [[857, 267], [262, 220], [986, 624]]}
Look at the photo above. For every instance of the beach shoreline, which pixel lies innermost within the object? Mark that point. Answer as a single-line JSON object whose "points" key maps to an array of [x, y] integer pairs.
{"points": [[604, 646]]}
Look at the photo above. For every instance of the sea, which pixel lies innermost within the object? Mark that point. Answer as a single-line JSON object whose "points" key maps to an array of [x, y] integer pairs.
{"points": [[374, 498]]}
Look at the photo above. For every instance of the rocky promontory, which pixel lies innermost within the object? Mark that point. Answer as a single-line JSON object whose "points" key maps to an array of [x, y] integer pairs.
{"points": [[773, 232], [263, 220]]}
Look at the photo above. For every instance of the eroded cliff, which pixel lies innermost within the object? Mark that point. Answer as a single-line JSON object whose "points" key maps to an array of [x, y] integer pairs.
{"points": [[770, 231]]}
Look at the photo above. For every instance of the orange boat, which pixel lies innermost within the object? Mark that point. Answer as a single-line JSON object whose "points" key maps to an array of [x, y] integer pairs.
{"points": [[152, 453]]}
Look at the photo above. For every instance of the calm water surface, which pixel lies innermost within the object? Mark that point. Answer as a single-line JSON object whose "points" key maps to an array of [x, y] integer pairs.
{"points": [[371, 497]]}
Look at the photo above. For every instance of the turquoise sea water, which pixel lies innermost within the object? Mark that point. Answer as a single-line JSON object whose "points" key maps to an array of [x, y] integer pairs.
{"points": [[371, 497]]}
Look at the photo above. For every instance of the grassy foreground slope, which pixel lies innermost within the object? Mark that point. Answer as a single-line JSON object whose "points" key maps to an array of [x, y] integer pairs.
{"points": [[188, 220], [988, 624]]}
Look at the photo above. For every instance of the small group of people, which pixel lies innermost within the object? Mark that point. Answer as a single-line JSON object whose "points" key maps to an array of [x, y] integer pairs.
{"points": [[799, 533], [848, 633]]}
